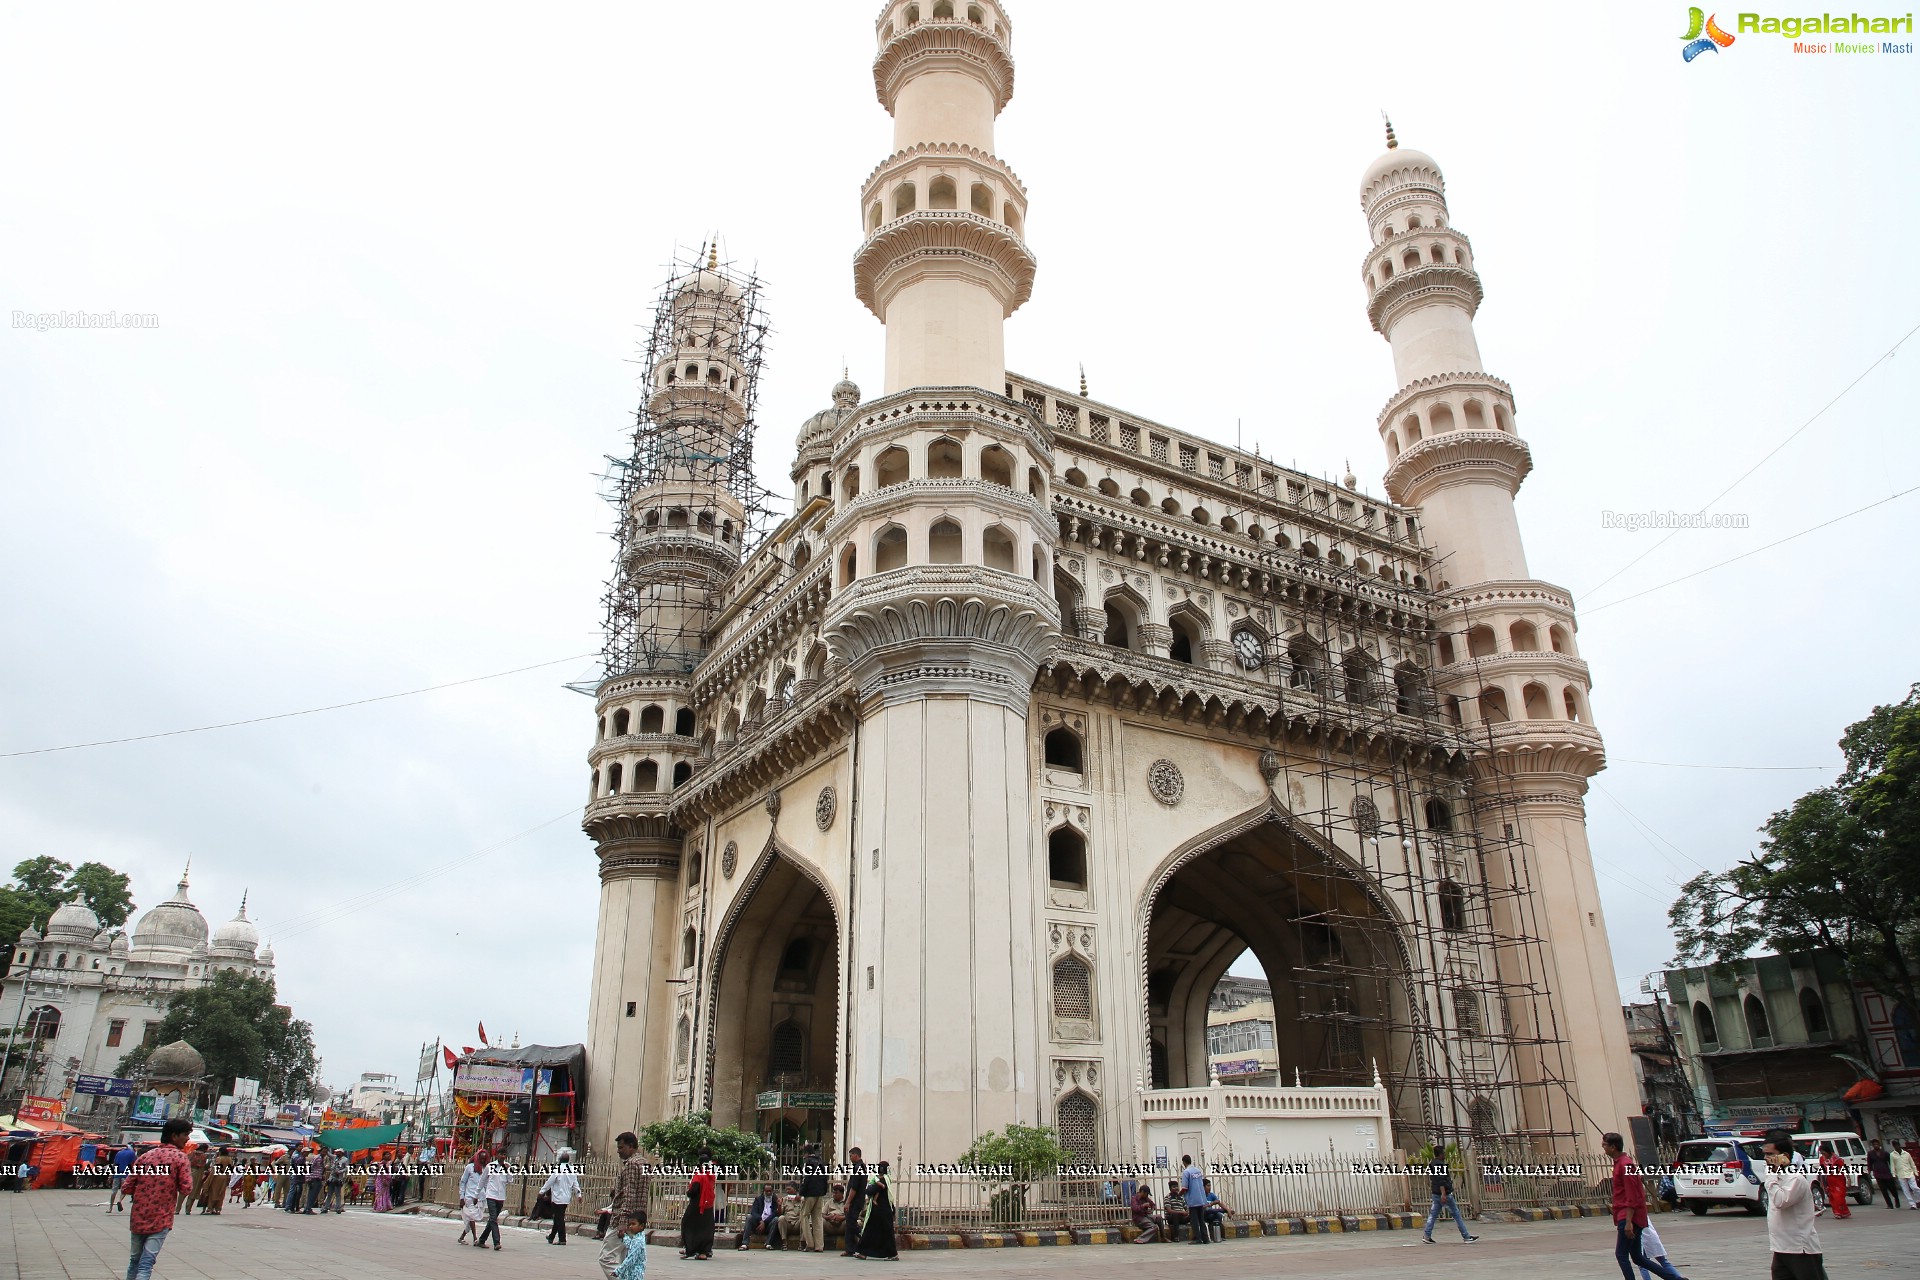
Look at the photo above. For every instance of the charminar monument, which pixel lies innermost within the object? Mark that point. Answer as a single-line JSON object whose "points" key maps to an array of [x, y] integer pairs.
{"points": [[946, 802]]}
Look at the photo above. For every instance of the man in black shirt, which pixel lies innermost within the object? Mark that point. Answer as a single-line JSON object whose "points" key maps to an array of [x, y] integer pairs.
{"points": [[1440, 1183]]}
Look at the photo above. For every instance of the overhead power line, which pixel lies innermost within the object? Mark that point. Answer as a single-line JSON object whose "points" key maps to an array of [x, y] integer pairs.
{"points": [[288, 715]]}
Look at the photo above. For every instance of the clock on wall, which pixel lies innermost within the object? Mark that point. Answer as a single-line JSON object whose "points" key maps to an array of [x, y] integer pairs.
{"points": [[1249, 648]]}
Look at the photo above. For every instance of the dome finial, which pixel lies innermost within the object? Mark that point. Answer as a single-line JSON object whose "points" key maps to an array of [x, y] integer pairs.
{"points": [[1392, 142], [713, 253], [243, 903], [1083, 377]]}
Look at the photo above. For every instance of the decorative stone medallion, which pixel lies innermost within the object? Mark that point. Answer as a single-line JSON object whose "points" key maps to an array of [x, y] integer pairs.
{"points": [[1269, 765], [1164, 780], [1366, 815], [729, 860], [823, 808], [773, 804]]}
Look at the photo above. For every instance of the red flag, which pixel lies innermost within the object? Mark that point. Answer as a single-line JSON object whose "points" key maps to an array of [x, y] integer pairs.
{"points": [[483, 1033], [452, 1061], [466, 1050]]}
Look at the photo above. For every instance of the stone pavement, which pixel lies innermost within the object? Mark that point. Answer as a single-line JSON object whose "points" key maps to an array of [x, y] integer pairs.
{"points": [[59, 1235]]}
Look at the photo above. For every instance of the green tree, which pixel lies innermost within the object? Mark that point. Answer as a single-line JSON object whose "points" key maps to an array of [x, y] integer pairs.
{"points": [[681, 1139], [1009, 1161], [107, 893], [235, 1025], [1838, 868]]}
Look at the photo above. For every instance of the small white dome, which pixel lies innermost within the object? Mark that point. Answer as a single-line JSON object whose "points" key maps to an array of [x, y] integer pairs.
{"points": [[117, 944], [1392, 161], [237, 938], [73, 922]]}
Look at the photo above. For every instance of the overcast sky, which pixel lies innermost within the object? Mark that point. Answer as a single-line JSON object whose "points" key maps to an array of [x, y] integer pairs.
{"points": [[401, 257]]}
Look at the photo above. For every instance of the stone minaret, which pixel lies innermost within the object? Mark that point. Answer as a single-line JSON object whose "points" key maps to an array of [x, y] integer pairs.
{"points": [[942, 538], [1506, 658], [683, 525], [944, 263]]}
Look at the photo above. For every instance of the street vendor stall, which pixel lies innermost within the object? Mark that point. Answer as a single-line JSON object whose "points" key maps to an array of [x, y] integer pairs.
{"points": [[520, 1102]]}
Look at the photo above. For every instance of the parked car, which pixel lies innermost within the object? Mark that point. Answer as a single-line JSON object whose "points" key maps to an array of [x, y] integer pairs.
{"points": [[1849, 1146], [1706, 1172]]}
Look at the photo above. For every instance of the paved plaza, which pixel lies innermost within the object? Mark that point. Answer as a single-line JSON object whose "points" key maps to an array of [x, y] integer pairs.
{"points": [[56, 1235]]}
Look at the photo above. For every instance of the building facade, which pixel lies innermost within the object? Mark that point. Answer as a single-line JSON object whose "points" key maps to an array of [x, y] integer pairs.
{"points": [[89, 995], [948, 803]]}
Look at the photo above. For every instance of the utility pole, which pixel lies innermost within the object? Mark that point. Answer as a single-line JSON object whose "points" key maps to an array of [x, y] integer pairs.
{"points": [[1692, 1110]]}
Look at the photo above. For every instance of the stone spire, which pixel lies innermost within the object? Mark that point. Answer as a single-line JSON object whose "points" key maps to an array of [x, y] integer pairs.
{"points": [[944, 263]]}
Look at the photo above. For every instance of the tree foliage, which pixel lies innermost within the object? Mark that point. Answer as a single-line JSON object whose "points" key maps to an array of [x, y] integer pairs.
{"points": [[1838, 868], [235, 1025], [681, 1139], [1031, 1151], [40, 885]]}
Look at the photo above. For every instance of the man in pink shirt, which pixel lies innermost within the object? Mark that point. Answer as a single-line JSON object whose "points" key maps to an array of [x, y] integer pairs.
{"points": [[155, 1184]]}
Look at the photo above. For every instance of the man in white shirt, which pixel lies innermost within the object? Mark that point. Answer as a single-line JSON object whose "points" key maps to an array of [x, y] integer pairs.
{"points": [[496, 1193], [1790, 1232]]}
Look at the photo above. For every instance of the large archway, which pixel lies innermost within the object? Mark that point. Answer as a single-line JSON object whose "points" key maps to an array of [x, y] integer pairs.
{"points": [[1331, 950], [776, 1007]]}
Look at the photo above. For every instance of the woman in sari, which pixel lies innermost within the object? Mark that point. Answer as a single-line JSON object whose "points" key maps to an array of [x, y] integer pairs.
{"points": [[213, 1184], [382, 1188], [876, 1237], [696, 1224]]}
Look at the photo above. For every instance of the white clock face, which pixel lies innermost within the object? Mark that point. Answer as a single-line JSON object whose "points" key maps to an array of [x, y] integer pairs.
{"points": [[1249, 649]]}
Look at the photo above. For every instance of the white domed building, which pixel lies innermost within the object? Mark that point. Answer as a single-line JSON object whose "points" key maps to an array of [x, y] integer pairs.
{"points": [[95, 993]]}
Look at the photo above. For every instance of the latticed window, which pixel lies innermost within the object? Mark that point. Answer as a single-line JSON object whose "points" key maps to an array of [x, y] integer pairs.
{"points": [[682, 1046], [1129, 437], [1036, 404], [787, 1055], [1466, 1012], [1189, 457], [1157, 446], [1072, 990], [1242, 474], [1484, 1117], [1098, 427], [1078, 1133], [1216, 466], [1066, 416]]}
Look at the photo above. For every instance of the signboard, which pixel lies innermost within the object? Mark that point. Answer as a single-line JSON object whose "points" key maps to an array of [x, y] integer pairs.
{"points": [[776, 1100], [1239, 1067], [429, 1062], [34, 1107], [481, 1077], [1758, 1119], [103, 1086], [150, 1107]]}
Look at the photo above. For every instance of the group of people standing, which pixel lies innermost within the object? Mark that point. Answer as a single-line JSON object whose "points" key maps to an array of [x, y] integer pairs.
{"points": [[1190, 1202]]}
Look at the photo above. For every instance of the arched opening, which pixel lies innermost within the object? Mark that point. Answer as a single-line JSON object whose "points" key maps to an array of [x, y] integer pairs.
{"points": [[1066, 594], [996, 550], [1410, 260], [1360, 670], [944, 459], [1571, 703], [890, 467], [1066, 859], [1493, 705], [646, 777], [1412, 695], [1439, 814], [1307, 671], [1466, 1013], [943, 194], [1525, 637], [1758, 1029], [890, 549], [849, 567], [943, 543], [944, 9], [1557, 636], [681, 772], [1072, 997], [1441, 418], [1813, 1014], [904, 199], [1125, 613], [613, 778], [1010, 216], [695, 864], [982, 200], [621, 719], [1453, 906], [1704, 1029], [874, 215], [1480, 642], [683, 722], [1500, 419], [1109, 487], [1445, 646], [850, 484], [1332, 957], [1410, 427], [802, 554], [1539, 706], [996, 466], [651, 718], [1063, 749], [1076, 1121], [1036, 487], [776, 983], [1475, 415], [1186, 642], [689, 942], [677, 518]]}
